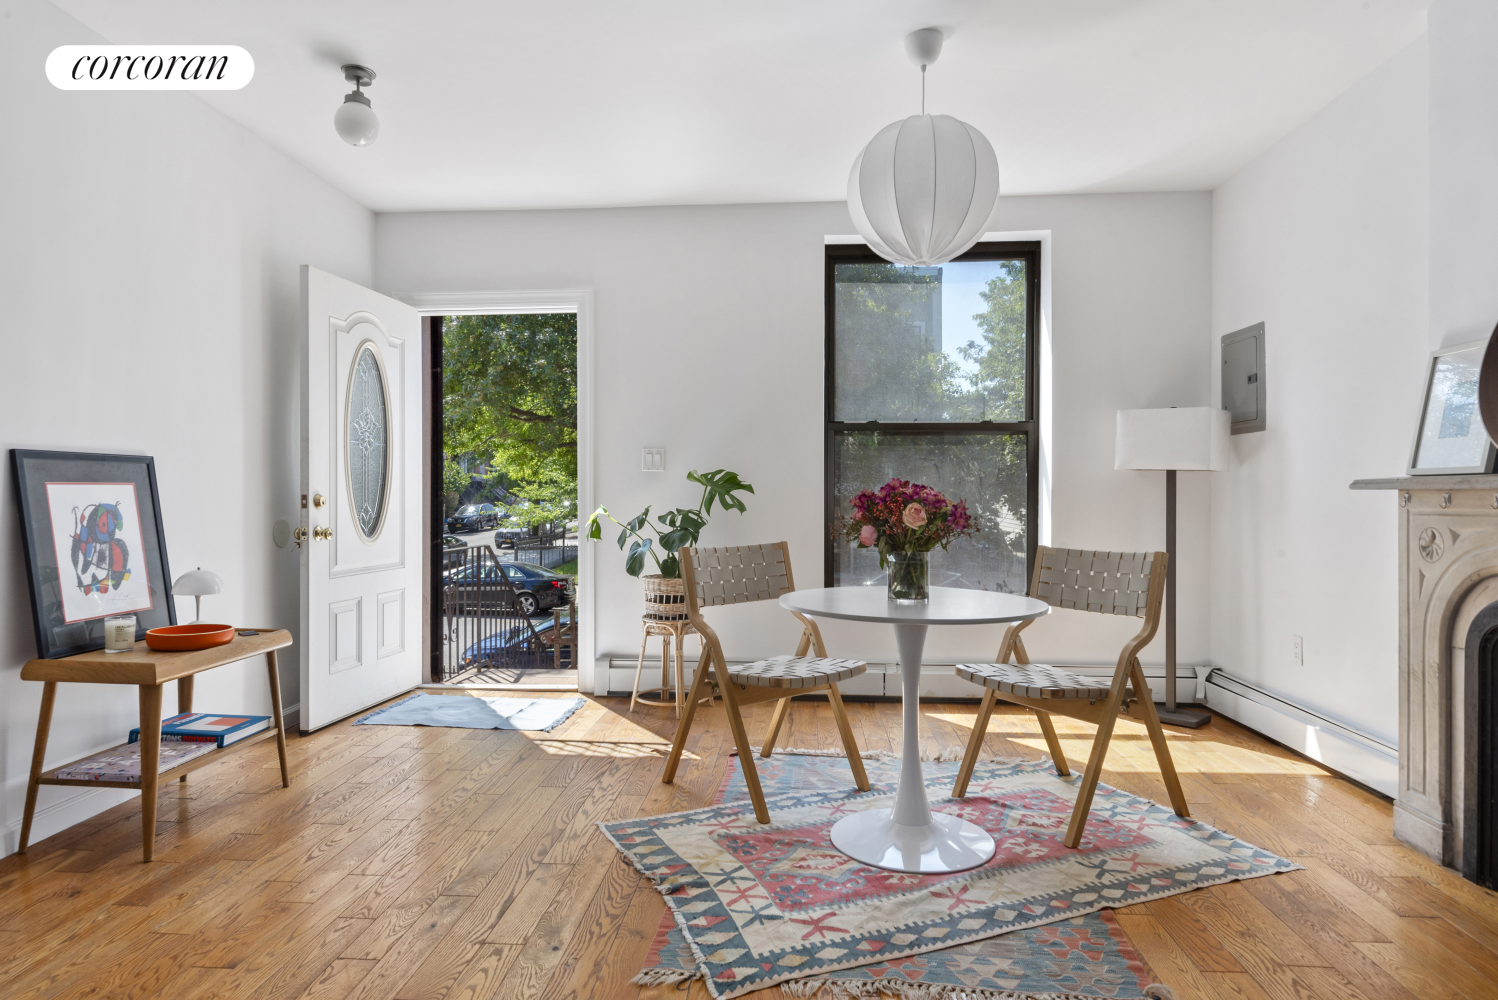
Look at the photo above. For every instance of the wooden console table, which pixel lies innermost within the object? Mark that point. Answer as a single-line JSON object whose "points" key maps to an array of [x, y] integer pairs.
{"points": [[149, 670]]}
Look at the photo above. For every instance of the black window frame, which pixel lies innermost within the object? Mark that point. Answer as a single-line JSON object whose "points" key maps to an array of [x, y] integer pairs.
{"points": [[859, 253]]}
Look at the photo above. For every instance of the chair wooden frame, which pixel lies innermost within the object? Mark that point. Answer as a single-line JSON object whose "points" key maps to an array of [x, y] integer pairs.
{"points": [[1128, 672], [713, 667]]}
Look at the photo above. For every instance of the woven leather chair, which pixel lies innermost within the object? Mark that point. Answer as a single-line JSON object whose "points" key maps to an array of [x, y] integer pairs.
{"points": [[1110, 583], [737, 575]]}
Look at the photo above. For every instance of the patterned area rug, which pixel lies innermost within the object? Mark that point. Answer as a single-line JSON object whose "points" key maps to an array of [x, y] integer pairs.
{"points": [[1083, 956], [760, 905]]}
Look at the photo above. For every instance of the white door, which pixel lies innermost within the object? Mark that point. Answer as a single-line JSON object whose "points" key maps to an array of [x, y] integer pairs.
{"points": [[361, 475]]}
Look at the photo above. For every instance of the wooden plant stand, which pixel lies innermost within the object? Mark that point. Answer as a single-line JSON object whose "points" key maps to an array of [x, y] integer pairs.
{"points": [[149, 670]]}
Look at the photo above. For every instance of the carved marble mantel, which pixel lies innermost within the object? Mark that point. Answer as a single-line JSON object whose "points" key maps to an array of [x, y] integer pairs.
{"points": [[1448, 572]]}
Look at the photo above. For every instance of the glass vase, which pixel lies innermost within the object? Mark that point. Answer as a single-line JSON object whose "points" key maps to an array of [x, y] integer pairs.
{"points": [[909, 577]]}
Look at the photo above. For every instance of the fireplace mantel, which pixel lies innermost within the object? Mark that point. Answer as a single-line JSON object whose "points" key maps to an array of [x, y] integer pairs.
{"points": [[1428, 483], [1448, 572]]}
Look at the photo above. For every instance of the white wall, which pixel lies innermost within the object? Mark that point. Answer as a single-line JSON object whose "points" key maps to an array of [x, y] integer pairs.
{"points": [[149, 300], [1463, 171], [709, 341], [1324, 239]]}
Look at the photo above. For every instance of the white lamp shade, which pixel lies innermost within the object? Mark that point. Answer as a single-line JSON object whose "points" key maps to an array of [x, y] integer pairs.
{"points": [[197, 582], [923, 189], [1187, 438], [356, 123]]}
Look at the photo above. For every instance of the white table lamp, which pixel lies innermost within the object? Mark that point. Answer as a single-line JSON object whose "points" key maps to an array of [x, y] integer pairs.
{"points": [[1187, 438], [196, 583]]}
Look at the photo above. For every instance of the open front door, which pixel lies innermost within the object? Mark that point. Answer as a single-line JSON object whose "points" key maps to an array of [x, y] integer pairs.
{"points": [[361, 478]]}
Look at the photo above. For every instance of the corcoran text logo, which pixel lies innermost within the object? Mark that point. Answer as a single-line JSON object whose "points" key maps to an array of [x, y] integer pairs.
{"points": [[149, 67]]}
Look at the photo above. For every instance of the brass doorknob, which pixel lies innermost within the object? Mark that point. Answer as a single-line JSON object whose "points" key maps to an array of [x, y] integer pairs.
{"points": [[322, 534], [300, 534]]}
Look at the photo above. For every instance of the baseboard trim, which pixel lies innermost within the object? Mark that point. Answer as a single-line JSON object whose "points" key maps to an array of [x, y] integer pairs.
{"points": [[1360, 756]]}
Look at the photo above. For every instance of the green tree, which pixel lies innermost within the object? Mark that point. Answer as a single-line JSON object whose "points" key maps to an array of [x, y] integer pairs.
{"points": [[510, 392], [998, 385]]}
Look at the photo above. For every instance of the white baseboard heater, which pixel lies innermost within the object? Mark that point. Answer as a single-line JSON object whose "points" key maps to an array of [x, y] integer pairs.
{"points": [[1360, 756]]}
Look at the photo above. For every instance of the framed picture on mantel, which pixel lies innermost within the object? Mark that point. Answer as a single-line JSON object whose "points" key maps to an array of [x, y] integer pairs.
{"points": [[1449, 437]]}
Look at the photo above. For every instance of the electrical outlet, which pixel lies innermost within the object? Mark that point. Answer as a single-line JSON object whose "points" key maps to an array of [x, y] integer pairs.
{"points": [[653, 460], [1297, 651]]}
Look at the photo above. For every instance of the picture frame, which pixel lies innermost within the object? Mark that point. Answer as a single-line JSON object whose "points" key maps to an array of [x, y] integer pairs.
{"points": [[94, 546], [1450, 437]]}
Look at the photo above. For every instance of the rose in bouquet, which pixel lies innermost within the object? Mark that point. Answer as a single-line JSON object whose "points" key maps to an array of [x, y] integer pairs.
{"points": [[902, 516]]}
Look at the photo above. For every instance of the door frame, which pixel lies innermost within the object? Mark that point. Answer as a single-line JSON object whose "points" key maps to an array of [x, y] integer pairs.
{"points": [[566, 300]]}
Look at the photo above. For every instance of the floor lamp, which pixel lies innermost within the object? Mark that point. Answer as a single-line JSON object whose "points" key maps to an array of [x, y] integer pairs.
{"points": [[1187, 438]]}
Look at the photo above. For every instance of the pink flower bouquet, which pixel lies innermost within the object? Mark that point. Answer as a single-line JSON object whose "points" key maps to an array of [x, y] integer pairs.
{"points": [[905, 521]]}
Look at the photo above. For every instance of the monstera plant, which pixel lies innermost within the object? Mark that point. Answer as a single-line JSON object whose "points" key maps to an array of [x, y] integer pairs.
{"points": [[675, 528]]}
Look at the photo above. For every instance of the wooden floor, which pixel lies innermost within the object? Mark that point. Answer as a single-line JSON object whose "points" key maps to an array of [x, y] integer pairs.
{"points": [[422, 864]]}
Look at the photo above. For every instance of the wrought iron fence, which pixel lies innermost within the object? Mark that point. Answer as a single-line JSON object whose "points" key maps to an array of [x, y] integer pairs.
{"points": [[548, 548], [483, 626]]}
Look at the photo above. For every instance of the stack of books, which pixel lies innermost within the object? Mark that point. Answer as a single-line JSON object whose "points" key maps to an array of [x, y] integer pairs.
{"points": [[183, 737]]}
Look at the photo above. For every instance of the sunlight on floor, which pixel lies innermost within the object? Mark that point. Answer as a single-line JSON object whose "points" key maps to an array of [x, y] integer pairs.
{"points": [[1130, 750], [585, 748]]}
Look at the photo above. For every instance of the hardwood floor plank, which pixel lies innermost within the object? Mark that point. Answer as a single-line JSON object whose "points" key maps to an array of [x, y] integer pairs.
{"points": [[1167, 959]]}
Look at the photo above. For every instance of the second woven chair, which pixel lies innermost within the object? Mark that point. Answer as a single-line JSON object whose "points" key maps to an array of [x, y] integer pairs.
{"points": [[737, 575], [1111, 583]]}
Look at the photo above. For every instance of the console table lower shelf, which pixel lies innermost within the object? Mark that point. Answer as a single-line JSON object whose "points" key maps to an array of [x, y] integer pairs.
{"points": [[150, 671]]}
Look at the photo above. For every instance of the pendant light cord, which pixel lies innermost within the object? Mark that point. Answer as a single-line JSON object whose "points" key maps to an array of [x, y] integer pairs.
{"points": [[923, 90]]}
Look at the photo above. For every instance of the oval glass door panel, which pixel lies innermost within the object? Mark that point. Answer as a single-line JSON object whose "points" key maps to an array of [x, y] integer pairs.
{"points": [[367, 441]]}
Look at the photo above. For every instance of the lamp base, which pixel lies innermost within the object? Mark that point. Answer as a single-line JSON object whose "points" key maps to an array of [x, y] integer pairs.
{"points": [[1190, 718]]}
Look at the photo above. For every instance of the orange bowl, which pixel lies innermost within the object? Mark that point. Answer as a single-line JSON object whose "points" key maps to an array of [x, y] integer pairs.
{"points": [[175, 638]]}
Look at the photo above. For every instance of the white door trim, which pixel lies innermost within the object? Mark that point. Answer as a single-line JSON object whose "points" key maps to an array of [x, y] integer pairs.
{"points": [[573, 300]]}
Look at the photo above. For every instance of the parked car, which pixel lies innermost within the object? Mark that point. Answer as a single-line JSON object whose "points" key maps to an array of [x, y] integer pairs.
{"points": [[536, 588], [493, 649], [509, 534], [474, 517], [453, 542]]}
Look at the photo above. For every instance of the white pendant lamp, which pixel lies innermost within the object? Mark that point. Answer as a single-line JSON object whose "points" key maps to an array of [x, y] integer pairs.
{"points": [[355, 120], [922, 191]]}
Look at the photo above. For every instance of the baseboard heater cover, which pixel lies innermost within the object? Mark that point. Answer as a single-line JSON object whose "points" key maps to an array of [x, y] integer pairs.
{"points": [[1360, 756]]}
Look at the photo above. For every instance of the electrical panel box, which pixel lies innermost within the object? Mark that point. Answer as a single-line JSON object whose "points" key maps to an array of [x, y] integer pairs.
{"points": [[1243, 378]]}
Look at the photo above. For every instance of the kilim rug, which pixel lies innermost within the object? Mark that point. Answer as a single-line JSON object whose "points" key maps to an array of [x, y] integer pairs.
{"points": [[1082, 956], [761, 904]]}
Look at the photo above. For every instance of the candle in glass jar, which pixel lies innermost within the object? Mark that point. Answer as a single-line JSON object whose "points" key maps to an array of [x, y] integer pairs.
{"points": [[119, 634]]}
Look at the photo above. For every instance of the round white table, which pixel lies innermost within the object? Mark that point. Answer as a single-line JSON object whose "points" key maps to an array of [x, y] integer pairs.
{"points": [[910, 837]]}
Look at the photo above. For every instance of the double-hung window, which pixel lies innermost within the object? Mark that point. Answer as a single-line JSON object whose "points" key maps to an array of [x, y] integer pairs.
{"points": [[931, 377]]}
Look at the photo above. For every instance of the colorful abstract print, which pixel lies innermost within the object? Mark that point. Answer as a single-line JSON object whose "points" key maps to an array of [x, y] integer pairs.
{"points": [[760, 904], [100, 559]]}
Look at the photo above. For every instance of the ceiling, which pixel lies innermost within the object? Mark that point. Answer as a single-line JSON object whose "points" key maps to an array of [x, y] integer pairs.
{"points": [[498, 104]]}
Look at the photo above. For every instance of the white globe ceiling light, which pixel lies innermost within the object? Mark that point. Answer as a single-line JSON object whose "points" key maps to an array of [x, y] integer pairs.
{"points": [[355, 120], [922, 191]]}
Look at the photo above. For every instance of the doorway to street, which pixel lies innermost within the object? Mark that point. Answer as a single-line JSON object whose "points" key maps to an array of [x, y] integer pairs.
{"points": [[505, 500]]}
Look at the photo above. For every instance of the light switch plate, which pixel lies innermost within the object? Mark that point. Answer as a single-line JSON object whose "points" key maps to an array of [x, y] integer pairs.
{"points": [[653, 460]]}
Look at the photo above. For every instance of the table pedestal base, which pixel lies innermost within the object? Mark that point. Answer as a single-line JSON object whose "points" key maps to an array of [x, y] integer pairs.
{"points": [[948, 844]]}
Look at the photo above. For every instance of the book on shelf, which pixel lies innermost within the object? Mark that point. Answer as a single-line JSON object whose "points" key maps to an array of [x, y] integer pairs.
{"points": [[201, 727], [123, 763]]}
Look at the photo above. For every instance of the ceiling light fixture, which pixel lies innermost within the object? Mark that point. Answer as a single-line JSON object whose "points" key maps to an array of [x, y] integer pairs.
{"points": [[923, 189], [355, 120]]}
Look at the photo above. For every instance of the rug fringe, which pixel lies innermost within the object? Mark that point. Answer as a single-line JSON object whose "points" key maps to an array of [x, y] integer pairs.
{"points": [[662, 976], [843, 989], [940, 757]]}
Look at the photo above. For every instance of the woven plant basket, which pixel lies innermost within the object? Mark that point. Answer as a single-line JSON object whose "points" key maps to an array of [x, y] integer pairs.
{"points": [[665, 599]]}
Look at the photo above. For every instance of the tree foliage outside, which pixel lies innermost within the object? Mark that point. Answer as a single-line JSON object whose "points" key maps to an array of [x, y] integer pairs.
{"points": [[890, 367], [510, 397]]}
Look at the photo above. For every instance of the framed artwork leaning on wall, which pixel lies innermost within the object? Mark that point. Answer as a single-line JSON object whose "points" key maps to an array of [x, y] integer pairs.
{"points": [[1450, 438], [94, 547]]}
